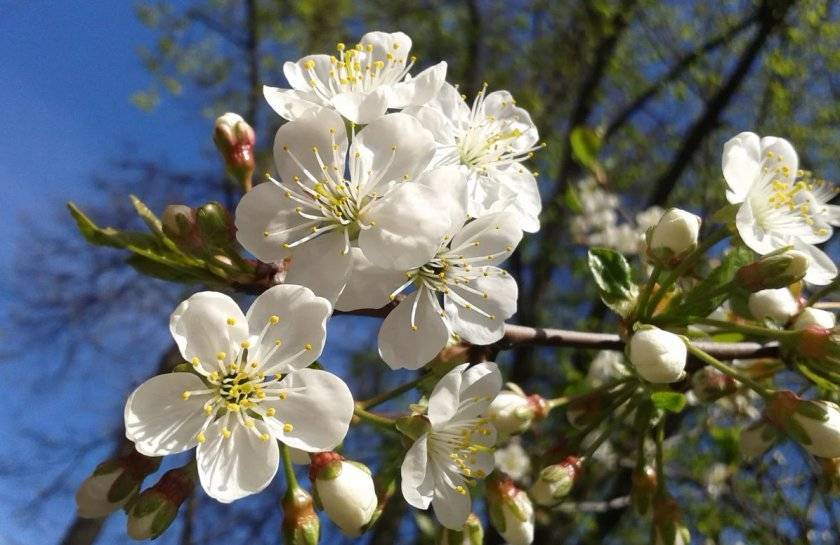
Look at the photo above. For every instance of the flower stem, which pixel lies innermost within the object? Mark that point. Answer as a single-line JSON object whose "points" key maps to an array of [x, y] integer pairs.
{"points": [[565, 400], [746, 329], [726, 369], [391, 394], [288, 468], [660, 456], [825, 290], [644, 297], [376, 419], [608, 431]]}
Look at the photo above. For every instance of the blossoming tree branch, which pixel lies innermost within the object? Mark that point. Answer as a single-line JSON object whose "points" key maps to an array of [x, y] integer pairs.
{"points": [[395, 196]]}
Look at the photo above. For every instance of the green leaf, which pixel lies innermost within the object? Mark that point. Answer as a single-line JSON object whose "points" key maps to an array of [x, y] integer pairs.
{"points": [[668, 401], [586, 143], [613, 276], [108, 236], [156, 269], [571, 200]]}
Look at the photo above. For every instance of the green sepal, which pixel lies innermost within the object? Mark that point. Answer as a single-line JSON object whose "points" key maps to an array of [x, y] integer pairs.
{"points": [[673, 402], [330, 471], [515, 508], [497, 515], [163, 519], [796, 432], [122, 488], [812, 410]]}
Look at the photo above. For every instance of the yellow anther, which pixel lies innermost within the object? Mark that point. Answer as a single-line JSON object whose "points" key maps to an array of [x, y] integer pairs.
{"points": [[225, 432], [340, 46], [264, 437], [245, 344], [309, 65], [277, 342], [282, 395], [413, 327], [233, 407], [195, 361], [271, 411], [231, 321], [288, 428], [221, 356], [200, 437], [185, 395], [214, 376], [307, 346], [461, 490], [249, 423], [208, 410]]}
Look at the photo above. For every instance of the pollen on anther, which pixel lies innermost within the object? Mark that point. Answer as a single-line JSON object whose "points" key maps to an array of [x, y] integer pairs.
{"points": [[307, 346], [264, 437], [225, 433], [185, 395], [195, 361], [270, 411], [220, 356], [231, 321], [413, 327], [278, 342], [200, 437], [288, 428], [245, 344]]}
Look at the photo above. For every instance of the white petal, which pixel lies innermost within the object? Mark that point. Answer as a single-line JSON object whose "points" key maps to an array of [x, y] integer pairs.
{"points": [[783, 156], [158, 420], [526, 203], [741, 164], [752, 233], [440, 126], [360, 107], [237, 466], [500, 304], [407, 229], [394, 147], [453, 106], [300, 78], [481, 380], [267, 209], [302, 321], [493, 237], [451, 508], [449, 183], [446, 396], [206, 324], [417, 481], [369, 286], [456, 394], [318, 406], [419, 89], [397, 44], [321, 265], [821, 270], [290, 104], [501, 106], [401, 346], [295, 142]]}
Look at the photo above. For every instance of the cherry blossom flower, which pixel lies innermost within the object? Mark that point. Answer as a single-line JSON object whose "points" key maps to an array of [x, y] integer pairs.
{"points": [[457, 448], [490, 141], [461, 271], [315, 215], [779, 204], [360, 82], [236, 404]]}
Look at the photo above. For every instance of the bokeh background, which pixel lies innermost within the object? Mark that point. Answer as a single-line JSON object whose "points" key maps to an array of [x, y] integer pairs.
{"points": [[105, 98]]}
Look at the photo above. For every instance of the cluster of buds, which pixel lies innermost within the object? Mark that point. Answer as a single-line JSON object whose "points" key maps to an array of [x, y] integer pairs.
{"points": [[472, 534], [511, 511], [668, 528], [513, 412], [300, 522], [345, 490], [235, 140], [778, 305], [674, 237], [709, 384], [773, 271], [207, 229], [556, 481], [813, 424], [113, 483], [153, 511], [658, 356]]}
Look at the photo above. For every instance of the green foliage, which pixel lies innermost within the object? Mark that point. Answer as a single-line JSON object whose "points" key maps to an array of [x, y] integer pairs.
{"points": [[673, 402], [612, 274]]}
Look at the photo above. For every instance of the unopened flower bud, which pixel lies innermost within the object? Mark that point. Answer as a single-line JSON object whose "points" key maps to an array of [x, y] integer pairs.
{"points": [[813, 424], [644, 486], [215, 225], [472, 534], [345, 490], [674, 236], [814, 316], [179, 224], [658, 356], [555, 482], [778, 305], [511, 511], [668, 528], [709, 384], [512, 412], [756, 439], [300, 522], [153, 511], [113, 483], [773, 271], [235, 140], [814, 341]]}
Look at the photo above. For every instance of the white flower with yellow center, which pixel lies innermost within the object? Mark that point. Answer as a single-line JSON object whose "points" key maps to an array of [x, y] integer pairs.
{"points": [[457, 448], [490, 140], [315, 213], [360, 82], [461, 272], [237, 405], [780, 205]]}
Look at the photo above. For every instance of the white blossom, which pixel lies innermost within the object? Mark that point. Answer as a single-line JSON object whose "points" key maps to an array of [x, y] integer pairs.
{"points": [[814, 316], [236, 405], [824, 434], [778, 305], [360, 82], [779, 204], [676, 232], [347, 493], [457, 446], [490, 141], [511, 412], [659, 356], [513, 460]]}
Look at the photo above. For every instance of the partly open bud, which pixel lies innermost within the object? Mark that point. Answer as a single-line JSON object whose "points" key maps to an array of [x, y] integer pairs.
{"points": [[153, 511], [668, 528], [674, 236], [815, 317], [511, 511], [555, 482], [773, 271], [709, 384], [472, 534], [300, 522], [179, 224], [644, 487], [658, 356], [113, 483], [512, 412], [778, 305], [813, 424], [815, 342], [345, 490], [235, 140], [756, 439]]}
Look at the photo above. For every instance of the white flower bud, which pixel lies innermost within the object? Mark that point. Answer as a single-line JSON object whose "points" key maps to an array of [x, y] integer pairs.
{"points": [[511, 413], [814, 316], [347, 493], [658, 356], [756, 439], [112, 484], [824, 434], [555, 482], [677, 232], [92, 496], [778, 305], [511, 511]]}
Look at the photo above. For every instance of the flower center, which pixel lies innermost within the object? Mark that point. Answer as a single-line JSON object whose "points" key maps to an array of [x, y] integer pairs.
{"points": [[461, 443], [785, 196]]}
